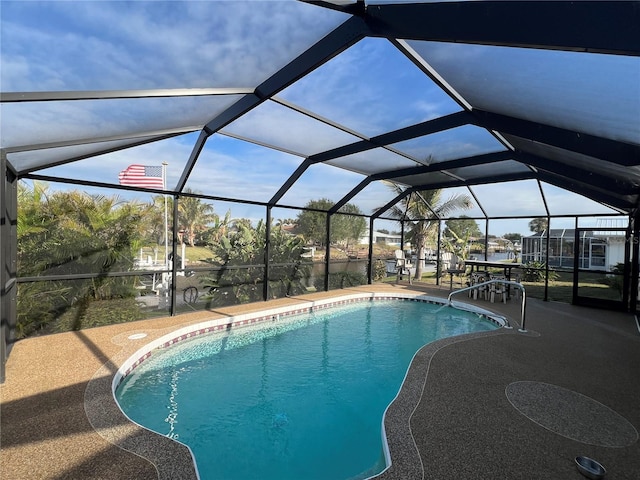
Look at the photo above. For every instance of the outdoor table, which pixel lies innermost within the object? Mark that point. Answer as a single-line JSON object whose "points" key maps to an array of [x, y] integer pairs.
{"points": [[505, 266]]}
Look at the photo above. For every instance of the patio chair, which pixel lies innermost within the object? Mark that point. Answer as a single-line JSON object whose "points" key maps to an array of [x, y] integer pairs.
{"points": [[403, 266], [453, 266], [498, 289], [516, 291], [481, 290], [449, 261]]}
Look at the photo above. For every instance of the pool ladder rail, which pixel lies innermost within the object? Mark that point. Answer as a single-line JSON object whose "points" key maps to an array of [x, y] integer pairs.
{"points": [[522, 329]]}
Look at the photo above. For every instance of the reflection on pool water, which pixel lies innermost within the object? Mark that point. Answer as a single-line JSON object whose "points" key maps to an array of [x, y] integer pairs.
{"points": [[301, 398]]}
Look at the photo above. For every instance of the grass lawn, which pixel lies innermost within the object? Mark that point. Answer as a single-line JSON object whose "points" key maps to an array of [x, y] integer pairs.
{"points": [[199, 254], [560, 290], [196, 254]]}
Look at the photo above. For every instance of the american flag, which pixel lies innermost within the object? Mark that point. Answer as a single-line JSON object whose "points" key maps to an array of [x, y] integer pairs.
{"points": [[142, 176]]}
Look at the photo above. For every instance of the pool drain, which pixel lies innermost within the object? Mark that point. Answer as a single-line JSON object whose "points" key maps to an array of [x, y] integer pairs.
{"points": [[590, 468]]}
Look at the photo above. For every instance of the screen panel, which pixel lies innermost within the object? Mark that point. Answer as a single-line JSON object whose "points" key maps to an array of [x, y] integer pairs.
{"points": [[596, 94], [371, 88], [232, 168]]}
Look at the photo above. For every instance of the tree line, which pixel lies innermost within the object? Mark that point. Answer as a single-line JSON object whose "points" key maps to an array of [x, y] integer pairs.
{"points": [[62, 233], [74, 233]]}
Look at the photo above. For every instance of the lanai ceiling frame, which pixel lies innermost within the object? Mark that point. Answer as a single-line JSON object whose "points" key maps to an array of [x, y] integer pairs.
{"points": [[122, 143], [432, 126], [443, 22], [128, 140], [345, 35], [614, 193], [571, 26], [382, 20], [409, 52], [428, 22], [392, 174], [478, 202], [363, 138], [579, 142], [611, 150]]}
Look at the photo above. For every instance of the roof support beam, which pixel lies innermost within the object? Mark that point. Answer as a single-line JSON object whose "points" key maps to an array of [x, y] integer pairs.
{"points": [[478, 203], [436, 167], [435, 214], [598, 147], [335, 42], [193, 156], [357, 8], [354, 191], [609, 27], [544, 200], [605, 197], [65, 96], [13, 153], [511, 177], [390, 204], [584, 176], [293, 178], [147, 136], [425, 128], [451, 164]]}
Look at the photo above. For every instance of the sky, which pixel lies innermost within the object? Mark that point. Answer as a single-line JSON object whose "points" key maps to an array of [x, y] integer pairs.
{"points": [[370, 88]]}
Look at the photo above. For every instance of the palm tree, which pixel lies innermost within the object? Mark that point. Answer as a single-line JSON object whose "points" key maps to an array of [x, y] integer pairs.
{"points": [[220, 226], [68, 233], [423, 210], [30, 202], [194, 215]]}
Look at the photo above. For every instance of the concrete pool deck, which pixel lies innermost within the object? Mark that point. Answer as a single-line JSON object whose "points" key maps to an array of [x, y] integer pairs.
{"points": [[481, 405]]}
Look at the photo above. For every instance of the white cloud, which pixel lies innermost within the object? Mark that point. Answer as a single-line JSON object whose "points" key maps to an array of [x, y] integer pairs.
{"points": [[41, 122], [277, 125], [137, 45], [371, 88], [234, 169]]}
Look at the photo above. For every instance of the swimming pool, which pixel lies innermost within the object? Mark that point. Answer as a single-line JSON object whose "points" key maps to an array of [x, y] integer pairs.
{"points": [[298, 397]]}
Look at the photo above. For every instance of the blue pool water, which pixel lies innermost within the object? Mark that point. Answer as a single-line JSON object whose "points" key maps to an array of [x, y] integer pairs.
{"points": [[300, 399]]}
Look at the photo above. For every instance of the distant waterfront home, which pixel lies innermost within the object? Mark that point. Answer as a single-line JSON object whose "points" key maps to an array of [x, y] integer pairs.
{"points": [[380, 237], [597, 250]]}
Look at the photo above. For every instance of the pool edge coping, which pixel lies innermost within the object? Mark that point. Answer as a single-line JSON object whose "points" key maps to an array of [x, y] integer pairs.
{"points": [[406, 461]]}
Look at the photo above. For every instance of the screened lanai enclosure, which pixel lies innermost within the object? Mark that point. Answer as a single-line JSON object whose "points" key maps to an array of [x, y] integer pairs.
{"points": [[166, 157]]}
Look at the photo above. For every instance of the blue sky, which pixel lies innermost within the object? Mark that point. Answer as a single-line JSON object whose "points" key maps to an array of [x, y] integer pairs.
{"points": [[371, 88]]}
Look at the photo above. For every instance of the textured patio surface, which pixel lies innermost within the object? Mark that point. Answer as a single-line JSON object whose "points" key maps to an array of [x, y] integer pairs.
{"points": [[508, 405]]}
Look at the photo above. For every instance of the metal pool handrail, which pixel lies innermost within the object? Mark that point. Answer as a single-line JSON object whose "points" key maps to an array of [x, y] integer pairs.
{"points": [[505, 282]]}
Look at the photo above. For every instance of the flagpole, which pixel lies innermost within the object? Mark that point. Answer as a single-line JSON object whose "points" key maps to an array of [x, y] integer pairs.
{"points": [[166, 216]]}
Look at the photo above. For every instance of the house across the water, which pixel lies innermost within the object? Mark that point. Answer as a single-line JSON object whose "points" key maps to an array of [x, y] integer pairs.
{"points": [[596, 250], [380, 237]]}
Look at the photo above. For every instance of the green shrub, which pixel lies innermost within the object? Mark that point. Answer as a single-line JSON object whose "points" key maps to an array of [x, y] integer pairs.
{"points": [[239, 262], [535, 272], [89, 313], [341, 280], [379, 270], [615, 281]]}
